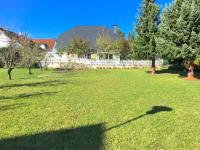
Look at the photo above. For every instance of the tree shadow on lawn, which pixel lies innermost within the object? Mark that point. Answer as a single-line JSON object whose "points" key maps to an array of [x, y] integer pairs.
{"points": [[82, 138], [35, 84], [153, 111], [26, 95], [12, 107], [19, 105], [181, 71]]}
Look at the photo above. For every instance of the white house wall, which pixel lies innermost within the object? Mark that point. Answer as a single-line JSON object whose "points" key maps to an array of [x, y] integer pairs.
{"points": [[4, 40], [54, 50]]}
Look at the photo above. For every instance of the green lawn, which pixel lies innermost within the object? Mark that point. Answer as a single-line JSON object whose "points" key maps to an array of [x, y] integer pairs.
{"points": [[98, 109]]}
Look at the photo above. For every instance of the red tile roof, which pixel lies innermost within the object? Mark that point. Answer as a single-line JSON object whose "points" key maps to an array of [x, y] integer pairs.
{"points": [[49, 42]]}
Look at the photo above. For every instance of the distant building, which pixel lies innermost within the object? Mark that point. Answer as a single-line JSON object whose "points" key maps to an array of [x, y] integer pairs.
{"points": [[6, 36], [47, 44], [4, 40], [50, 46], [90, 33]]}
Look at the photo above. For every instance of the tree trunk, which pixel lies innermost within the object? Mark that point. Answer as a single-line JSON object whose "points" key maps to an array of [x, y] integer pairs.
{"points": [[191, 72], [29, 67], [153, 65], [40, 65], [29, 70], [41, 68], [9, 73]]}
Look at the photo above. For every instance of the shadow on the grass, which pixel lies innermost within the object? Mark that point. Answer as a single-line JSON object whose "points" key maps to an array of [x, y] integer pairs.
{"points": [[35, 84], [82, 138], [12, 106], [180, 71], [154, 110], [20, 96], [26, 95]]}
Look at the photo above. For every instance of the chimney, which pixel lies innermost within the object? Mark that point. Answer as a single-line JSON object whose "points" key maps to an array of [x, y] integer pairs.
{"points": [[115, 28]]}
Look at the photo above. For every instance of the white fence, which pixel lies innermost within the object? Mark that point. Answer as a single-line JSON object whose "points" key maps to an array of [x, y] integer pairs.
{"points": [[59, 62]]}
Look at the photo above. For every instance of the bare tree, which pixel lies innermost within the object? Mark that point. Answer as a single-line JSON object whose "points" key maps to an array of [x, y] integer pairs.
{"points": [[31, 53], [11, 55], [21, 50], [109, 46], [76, 45]]}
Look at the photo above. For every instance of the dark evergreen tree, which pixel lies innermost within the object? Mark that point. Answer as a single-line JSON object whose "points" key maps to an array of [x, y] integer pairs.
{"points": [[179, 33], [147, 26]]}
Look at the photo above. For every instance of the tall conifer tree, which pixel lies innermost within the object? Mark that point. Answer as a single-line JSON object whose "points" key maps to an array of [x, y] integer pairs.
{"points": [[146, 28], [179, 33]]}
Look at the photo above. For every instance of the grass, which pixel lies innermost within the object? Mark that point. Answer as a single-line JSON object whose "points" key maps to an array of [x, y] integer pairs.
{"points": [[98, 109]]}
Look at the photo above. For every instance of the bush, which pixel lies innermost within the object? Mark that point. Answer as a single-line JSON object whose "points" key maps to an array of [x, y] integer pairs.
{"points": [[36, 65]]}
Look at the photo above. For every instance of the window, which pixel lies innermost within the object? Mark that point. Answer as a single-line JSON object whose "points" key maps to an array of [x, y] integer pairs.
{"points": [[88, 56], [43, 46], [110, 56]]}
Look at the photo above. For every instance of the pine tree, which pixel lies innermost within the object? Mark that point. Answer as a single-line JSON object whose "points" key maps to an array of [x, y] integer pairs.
{"points": [[146, 29], [179, 32]]}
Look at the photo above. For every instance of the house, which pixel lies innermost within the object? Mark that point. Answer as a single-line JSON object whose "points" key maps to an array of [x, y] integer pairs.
{"points": [[6, 36], [50, 46], [47, 44], [4, 40], [89, 33]]}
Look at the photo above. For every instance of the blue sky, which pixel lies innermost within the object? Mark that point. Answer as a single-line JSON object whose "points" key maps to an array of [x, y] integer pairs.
{"points": [[50, 18]]}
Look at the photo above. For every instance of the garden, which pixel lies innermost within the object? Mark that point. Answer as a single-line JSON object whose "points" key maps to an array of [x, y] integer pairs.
{"points": [[74, 108], [99, 109]]}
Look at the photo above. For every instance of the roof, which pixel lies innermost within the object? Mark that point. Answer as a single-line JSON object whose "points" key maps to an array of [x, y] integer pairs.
{"points": [[89, 33], [49, 42], [11, 34]]}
